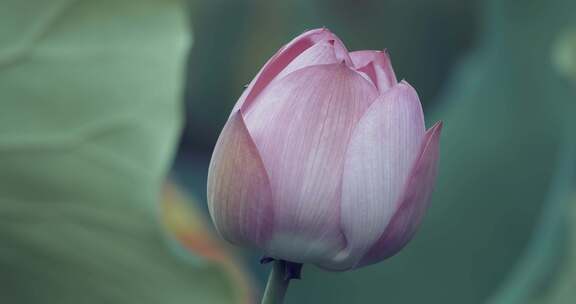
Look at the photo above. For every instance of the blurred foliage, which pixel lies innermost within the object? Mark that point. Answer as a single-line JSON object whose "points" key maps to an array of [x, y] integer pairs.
{"points": [[561, 289], [559, 286], [564, 55], [188, 228], [549, 249], [89, 120]]}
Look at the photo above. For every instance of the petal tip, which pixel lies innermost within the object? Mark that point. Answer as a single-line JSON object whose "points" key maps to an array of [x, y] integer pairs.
{"points": [[405, 83], [403, 87], [315, 30], [437, 128]]}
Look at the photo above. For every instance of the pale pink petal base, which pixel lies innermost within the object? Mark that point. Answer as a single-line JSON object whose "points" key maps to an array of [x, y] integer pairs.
{"points": [[239, 195], [413, 203], [381, 153], [302, 128]]}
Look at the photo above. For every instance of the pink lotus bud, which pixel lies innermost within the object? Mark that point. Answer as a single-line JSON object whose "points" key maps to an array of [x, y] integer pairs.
{"points": [[325, 158]]}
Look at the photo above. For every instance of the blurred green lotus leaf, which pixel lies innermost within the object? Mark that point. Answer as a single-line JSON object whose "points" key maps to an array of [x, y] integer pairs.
{"points": [[564, 53], [188, 227], [561, 287], [89, 117]]}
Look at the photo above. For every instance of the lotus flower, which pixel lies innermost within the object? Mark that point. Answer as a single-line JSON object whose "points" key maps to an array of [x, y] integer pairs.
{"points": [[325, 158]]}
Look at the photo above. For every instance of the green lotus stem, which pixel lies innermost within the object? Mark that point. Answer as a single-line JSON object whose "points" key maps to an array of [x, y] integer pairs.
{"points": [[278, 281]]}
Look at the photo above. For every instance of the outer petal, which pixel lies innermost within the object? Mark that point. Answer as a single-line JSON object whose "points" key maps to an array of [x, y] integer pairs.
{"points": [[413, 203], [284, 57], [380, 156], [239, 195], [321, 53], [377, 66], [302, 131]]}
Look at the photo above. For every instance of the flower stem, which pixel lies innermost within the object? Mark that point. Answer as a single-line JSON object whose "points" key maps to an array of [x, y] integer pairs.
{"points": [[280, 276]]}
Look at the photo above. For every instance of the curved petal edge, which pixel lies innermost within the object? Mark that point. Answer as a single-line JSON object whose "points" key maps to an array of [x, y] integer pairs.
{"points": [[413, 203], [384, 146], [377, 66], [285, 55], [239, 193]]}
